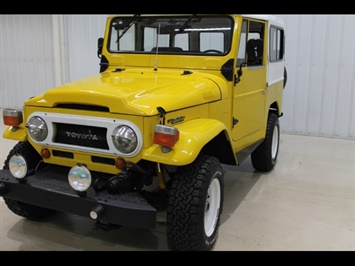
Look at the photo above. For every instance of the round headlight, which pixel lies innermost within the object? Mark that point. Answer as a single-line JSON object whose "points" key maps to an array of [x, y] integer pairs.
{"points": [[37, 128], [18, 166], [79, 178], [125, 139]]}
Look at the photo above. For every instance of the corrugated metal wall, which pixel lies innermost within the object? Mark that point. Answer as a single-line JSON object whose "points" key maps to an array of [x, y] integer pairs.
{"points": [[319, 96], [26, 57], [320, 57], [82, 33]]}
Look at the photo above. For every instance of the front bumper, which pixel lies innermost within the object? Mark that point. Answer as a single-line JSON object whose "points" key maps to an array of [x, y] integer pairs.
{"points": [[49, 188]]}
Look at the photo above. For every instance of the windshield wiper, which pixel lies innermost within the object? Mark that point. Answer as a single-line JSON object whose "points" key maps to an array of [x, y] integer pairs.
{"points": [[130, 23], [187, 22], [181, 29]]}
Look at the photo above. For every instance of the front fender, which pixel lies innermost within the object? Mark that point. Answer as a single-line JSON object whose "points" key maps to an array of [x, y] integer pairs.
{"points": [[194, 135], [20, 134]]}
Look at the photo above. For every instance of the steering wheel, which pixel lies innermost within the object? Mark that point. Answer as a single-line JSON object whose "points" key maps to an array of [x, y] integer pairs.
{"points": [[212, 51]]}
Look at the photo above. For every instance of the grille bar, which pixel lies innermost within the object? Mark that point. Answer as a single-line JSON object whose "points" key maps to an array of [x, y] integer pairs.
{"points": [[63, 154], [97, 159]]}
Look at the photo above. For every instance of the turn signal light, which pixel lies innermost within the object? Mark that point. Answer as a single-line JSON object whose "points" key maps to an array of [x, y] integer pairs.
{"points": [[45, 153], [120, 163], [12, 117], [166, 136]]}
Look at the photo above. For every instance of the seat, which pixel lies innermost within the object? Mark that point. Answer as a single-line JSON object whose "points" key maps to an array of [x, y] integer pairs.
{"points": [[254, 51]]}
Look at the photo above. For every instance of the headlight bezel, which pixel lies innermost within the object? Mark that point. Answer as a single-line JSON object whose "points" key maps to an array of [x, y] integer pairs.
{"points": [[37, 128], [119, 139]]}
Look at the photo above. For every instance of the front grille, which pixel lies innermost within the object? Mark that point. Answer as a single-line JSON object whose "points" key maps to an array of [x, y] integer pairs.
{"points": [[63, 154], [97, 159], [79, 135]]}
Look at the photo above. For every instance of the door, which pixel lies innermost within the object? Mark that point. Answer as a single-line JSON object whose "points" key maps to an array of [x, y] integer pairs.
{"points": [[250, 91]]}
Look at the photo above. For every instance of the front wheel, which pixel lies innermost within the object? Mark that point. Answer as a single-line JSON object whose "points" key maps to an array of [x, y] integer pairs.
{"points": [[21, 208], [265, 155], [195, 205]]}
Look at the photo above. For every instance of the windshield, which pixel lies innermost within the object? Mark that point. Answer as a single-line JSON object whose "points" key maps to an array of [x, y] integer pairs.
{"points": [[194, 34]]}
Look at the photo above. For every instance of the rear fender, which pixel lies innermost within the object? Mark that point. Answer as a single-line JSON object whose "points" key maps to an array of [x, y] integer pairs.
{"points": [[194, 135]]}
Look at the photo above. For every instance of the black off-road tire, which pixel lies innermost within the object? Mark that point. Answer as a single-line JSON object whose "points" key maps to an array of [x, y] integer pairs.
{"points": [[21, 208], [26, 150], [28, 211], [195, 204], [264, 157]]}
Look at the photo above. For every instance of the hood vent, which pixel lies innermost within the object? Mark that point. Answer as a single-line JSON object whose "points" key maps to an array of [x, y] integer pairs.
{"points": [[84, 107]]}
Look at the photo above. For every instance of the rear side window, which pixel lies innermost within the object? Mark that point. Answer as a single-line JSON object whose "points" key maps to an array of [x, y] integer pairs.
{"points": [[277, 44]]}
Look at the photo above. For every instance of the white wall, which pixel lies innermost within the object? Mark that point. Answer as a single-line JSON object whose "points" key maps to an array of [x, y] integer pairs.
{"points": [[319, 97]]}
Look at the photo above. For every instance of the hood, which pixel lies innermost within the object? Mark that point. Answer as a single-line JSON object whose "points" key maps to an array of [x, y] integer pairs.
{"points": [[136, 92]]}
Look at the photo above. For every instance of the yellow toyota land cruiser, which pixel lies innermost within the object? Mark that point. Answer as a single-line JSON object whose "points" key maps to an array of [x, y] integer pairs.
{"points": [[177, 97]]}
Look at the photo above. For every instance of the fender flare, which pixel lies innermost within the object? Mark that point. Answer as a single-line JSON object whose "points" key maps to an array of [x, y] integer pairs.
{"points": [[20, 134], [194, 135]]}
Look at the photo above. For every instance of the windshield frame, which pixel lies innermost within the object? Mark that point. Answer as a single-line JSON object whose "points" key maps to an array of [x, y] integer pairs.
{"points": [[171, 34]]}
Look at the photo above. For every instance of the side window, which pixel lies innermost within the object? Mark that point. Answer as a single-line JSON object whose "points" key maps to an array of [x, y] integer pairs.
{"points": [[212, 41], [277, 40], [182, 40], [242, 43], [251, 47], [164, 40], [150, 39], [119, 42]]}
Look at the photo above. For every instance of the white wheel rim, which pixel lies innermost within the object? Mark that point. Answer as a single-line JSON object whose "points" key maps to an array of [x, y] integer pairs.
{"points": [[275, 142], [212, 206]]}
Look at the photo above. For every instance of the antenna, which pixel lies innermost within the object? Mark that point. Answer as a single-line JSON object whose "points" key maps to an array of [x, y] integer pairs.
{"points": [[156, 54]]}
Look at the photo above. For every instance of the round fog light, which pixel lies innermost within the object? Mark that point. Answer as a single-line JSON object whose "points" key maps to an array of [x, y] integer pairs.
{"points": [[18, 166], [79, 178]]}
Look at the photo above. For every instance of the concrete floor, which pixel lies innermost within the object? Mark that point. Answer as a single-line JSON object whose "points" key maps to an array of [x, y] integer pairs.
{"points": [[307, 203]]}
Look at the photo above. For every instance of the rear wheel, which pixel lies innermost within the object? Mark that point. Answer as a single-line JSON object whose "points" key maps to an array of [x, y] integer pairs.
{"points": [[285, 77], [195, 205], [23, 209], [265, 156]]}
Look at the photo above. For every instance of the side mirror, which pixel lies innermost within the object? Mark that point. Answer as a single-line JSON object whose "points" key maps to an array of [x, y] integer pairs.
{"points": [[100, 42], [239, 72]]}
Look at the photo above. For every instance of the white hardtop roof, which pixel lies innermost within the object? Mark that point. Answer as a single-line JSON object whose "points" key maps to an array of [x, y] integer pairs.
{"points": [[271, 18]]}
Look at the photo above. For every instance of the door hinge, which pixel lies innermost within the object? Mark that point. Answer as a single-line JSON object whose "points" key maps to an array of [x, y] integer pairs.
{"points": [[235, 121]]}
